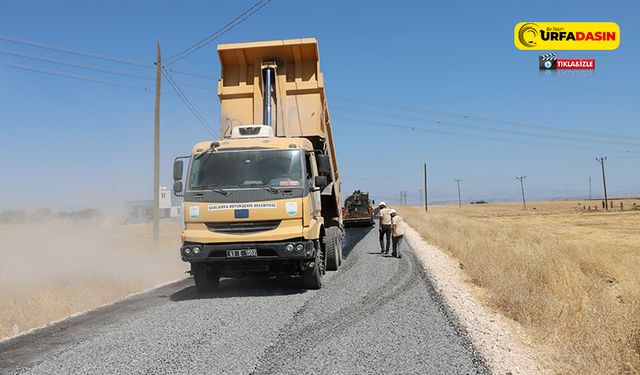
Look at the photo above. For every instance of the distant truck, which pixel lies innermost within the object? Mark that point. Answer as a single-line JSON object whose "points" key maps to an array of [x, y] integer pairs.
{"points": [[264, 197], [358, 209]]}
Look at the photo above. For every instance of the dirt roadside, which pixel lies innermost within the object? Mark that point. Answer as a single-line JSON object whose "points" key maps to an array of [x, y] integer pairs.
{"points": [[60, 268]]}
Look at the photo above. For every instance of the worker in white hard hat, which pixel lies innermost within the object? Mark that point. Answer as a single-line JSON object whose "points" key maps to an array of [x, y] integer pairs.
{"points": [[397, 233], [384, 228]]}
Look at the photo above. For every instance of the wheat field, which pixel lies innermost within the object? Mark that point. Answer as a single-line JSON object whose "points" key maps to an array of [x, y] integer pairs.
{"points": [[51, 270], [568, 275]]}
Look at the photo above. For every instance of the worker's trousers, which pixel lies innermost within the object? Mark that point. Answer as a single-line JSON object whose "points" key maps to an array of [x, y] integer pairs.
{"points": [[385, 231], [396, 246]]}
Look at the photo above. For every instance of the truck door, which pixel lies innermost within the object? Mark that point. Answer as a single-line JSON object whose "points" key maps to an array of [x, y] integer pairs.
{"points": [[312, 171]]}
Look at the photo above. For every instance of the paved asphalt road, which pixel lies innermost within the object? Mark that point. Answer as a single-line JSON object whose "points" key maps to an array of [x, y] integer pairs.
{"points": [[376, 315]]}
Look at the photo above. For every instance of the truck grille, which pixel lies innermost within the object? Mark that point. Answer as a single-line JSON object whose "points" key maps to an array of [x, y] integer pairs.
{"points": [[243, 227]]}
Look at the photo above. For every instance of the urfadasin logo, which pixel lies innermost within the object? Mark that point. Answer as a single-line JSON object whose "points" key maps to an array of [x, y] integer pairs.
{"points": [[527, 34], [566, 35], [549, 61]]}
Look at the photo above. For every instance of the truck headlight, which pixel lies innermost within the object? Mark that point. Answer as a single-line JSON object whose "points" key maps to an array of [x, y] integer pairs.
{"points": [[299, 247], [196, 250], [289, 247], [187, 251]]}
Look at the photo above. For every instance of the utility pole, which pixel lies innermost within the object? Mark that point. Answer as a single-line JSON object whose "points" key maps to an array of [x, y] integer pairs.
{"points": [[426, 204], [604, 181], [459, 197], [524, 202], [589, 187], [156, 156]]}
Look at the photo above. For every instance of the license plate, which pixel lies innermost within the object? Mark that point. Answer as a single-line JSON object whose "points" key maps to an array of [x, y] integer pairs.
{"points": [[242, 253]]}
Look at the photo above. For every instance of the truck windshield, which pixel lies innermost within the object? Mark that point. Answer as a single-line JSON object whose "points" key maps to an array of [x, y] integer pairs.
{"points": [[238, 169]]}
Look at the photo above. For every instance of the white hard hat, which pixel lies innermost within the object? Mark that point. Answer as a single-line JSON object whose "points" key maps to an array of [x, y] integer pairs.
{"points": [[382, 203], [392, 211]]}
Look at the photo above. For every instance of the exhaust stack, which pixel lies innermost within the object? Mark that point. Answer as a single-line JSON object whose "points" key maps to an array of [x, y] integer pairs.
{"points": [[268, 77]]}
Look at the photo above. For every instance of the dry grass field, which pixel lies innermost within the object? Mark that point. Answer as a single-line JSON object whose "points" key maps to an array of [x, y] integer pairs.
{"points": [[54, 269], [570, 277]]}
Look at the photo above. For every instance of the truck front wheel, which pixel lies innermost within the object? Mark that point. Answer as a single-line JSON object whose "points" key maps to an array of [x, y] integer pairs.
{"points": [[206, 277], [312, 274]]}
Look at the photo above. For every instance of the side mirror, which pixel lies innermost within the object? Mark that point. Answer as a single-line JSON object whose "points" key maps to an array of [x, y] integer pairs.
{"points": [[324, 167], [321, 182], [177, 170], [177, 187]]}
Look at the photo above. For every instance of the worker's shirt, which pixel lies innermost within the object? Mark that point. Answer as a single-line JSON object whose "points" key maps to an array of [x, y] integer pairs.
{"points": [[398, 226], [385, 214]]}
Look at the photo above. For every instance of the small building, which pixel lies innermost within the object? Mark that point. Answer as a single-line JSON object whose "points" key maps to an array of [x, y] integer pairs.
{"points": [[141, 211]]}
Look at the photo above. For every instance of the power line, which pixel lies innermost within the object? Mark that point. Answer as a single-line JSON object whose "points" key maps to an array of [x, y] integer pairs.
{"points": [[561, 169], [481, 127], [177, 90], [186, 101], [73, 51], [601, 161], [156, 152], [403, 198], [94, 68], [70, 63], [73, 76], [218, 33], [477, 118], [457, 134], [426, 190], [92, 55], [524, 202], [84, 78], [458, 180]]}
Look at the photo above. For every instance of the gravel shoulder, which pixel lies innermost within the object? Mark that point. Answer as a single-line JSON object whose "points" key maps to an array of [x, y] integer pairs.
{"points": [[499, 341]]}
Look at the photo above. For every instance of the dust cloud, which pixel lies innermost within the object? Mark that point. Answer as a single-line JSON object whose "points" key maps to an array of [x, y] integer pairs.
{"points": [[55, 265]]}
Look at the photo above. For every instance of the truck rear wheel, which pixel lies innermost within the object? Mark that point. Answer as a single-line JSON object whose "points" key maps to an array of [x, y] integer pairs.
{"points": [[333, 248], [206, 277], [312, 276]]}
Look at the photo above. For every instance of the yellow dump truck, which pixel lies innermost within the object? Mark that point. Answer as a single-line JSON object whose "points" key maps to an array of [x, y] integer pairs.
{"points": [[265, 196]]}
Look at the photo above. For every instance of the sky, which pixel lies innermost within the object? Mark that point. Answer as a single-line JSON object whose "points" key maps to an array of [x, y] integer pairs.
{"points": [[70, 144]]}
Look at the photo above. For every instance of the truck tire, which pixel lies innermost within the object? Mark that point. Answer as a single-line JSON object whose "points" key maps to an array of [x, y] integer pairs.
{"points": [[312, 276], [206, 277], [333, 248], [339, 250]]}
